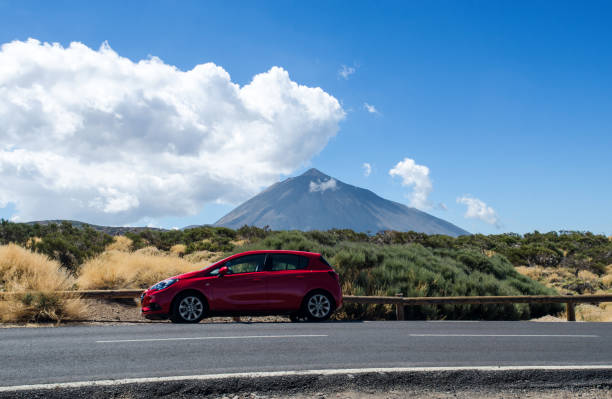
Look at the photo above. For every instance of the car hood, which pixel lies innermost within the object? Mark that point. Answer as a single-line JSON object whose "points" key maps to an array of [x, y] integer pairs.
{"points": [[197, 273]]}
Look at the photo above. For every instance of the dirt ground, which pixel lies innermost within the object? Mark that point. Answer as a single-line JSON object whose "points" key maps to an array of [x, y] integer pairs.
{"points": [[109, 312], [105, 312]]}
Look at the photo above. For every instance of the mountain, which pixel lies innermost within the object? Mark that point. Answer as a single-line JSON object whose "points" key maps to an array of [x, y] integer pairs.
{"points": [[316, 201]]}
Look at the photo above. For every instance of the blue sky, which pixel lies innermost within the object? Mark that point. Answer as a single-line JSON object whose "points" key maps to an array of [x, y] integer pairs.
{"points": [[506, 102]]}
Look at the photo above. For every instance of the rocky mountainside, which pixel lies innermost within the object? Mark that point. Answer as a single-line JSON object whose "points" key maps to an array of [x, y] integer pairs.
{"points": [[316, 201]]}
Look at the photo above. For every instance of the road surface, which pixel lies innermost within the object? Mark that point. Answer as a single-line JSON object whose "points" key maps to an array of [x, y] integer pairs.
{"points": [[85, 353]]}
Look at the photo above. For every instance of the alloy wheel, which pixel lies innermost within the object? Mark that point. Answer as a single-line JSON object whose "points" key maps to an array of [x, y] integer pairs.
{"points": [[191, 308], [319, 306]]}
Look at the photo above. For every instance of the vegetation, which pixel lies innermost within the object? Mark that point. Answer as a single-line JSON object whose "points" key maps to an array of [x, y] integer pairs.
{"points": [[387, 263], [67, 244], [22, 270], [367, 268], [139, 269], [572, 281]]}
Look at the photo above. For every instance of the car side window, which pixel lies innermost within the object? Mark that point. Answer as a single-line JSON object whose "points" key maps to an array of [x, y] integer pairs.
{"points": [[246, 264], [280, 262]]}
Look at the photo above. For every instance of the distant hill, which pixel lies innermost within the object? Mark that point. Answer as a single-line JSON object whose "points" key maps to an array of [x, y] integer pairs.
{"points": [[110, 230], [316, 201]]}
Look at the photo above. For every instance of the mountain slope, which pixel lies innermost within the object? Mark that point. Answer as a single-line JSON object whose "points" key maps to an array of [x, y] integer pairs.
{"points": [[315, 201]]}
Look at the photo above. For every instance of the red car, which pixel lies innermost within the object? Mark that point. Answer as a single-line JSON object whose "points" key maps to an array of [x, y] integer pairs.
{"points": [[300, 284]]}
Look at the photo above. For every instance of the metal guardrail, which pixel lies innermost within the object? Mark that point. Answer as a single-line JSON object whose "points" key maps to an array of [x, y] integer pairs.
{"points": [[399, 301]]}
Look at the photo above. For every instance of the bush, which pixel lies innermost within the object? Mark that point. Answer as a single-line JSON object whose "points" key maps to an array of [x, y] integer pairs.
{"points": [[141, 269], [386, 263], [68, 244], [22, 270], [367, 268]]}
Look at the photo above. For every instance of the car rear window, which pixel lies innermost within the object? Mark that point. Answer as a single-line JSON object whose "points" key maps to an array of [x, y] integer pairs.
{"points": [[287, 262]]}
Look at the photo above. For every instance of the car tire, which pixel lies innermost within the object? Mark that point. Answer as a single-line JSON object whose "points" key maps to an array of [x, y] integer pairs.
{"points": [[296, 317], [188, 307], [318, 306]]}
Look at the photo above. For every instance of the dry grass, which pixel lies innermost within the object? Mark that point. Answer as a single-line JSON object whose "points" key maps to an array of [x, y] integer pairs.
{"points": [[534, 273], [120, 243], [586, 312], [22, 270], [178, 250], [139, 269], [560, 278], [587, 275], [33, 241], [489, 253], [150, 251], [203, 258]]}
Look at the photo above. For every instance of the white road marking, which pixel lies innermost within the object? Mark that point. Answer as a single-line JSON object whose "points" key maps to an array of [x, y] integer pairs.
{"points": [[507, 335], [81, 384], [207, 338], [452, 321]]}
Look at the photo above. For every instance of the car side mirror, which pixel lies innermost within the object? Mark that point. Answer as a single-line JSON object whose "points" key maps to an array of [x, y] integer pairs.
{"points": [[223, 271]]}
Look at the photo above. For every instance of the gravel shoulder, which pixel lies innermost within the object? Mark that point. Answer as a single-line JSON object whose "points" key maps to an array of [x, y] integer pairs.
{"points": [[125, 312], [474, 384], [109, 312]]}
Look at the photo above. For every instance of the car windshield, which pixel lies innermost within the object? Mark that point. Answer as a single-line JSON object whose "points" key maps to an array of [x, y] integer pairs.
{"points": [[212, 264]]}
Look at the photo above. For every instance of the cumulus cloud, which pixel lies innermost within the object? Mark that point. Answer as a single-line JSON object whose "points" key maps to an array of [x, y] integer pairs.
{"points": [[416, 176], [367, 169], [477, 209], [346, 71], [370, 108], [88, 134], [330, 184]]}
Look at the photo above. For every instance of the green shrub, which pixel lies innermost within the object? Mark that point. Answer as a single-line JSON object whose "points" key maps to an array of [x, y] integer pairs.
{"points": [[368, 268]]}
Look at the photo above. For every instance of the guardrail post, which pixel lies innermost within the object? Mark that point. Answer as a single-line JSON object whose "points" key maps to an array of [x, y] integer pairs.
{"points": [[399, 309], [571, 311]]}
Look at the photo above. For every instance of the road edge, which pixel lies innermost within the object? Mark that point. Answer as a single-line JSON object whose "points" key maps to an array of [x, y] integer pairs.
{"points": [[300, 381]]}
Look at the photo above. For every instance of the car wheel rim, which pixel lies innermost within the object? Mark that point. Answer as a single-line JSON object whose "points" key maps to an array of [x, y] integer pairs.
{"points": [[191, 308], [319, 306]]}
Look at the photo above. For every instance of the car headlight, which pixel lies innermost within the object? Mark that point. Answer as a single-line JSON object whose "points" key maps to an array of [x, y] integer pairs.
{"points": [[164, 284]]}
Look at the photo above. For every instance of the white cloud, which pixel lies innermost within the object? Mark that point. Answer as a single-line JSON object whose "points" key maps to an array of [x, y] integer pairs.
{"points": [[346, 71], [416, 176], [90, 135], [477, 209], [367, 169], [322, 186], [370, 108]]}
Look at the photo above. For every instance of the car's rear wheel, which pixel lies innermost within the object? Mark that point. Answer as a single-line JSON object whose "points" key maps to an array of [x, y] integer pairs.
{"points": [[318, 306], [188, 308]]}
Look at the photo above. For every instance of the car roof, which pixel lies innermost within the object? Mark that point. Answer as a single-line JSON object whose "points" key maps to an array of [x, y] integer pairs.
{"points": [[278, 251]]}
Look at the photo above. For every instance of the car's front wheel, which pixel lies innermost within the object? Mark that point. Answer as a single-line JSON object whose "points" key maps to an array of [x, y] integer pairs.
{"points": [[188, 308], [318, 306]]}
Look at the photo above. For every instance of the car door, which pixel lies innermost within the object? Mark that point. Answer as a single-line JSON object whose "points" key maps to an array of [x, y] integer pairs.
{"points": [[287, 280], [243, 288]]}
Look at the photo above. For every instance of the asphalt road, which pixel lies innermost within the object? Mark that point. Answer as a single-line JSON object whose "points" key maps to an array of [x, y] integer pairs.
{"points": [[83, 353]]}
